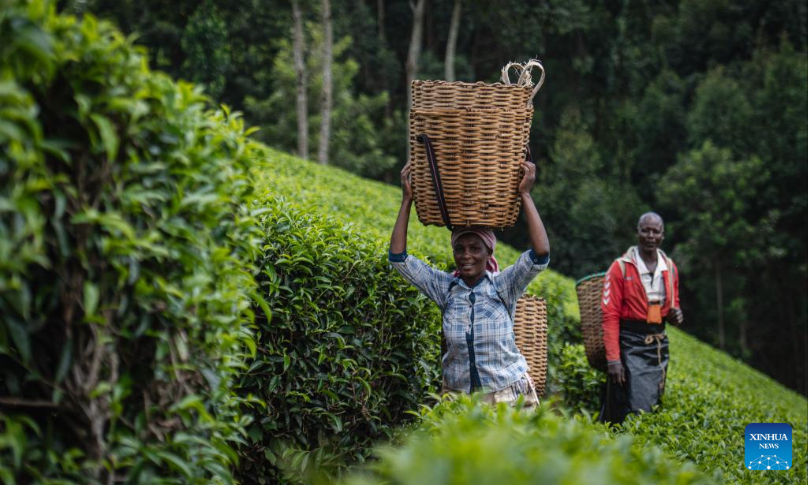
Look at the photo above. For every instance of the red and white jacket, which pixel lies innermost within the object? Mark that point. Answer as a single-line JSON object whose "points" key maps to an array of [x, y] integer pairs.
{"points": [[624, 298]]}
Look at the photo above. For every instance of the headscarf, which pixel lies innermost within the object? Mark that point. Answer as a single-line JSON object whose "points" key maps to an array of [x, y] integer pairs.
{"points": [[489, 239]]}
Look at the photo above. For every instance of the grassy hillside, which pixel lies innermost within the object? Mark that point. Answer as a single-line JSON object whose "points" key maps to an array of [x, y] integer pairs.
{"points": [[710, 397]]}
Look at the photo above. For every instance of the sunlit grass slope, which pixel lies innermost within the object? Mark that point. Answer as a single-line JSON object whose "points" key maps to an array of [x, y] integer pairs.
{"points": [[710, 397]]}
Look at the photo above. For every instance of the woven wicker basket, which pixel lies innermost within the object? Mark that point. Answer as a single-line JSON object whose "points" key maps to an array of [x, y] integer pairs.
{"points": [[590, 291], [478, 134], [530, 330]]}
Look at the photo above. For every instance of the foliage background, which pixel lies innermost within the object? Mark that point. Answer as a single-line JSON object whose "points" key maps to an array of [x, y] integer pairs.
{"points": [[693, 108]]}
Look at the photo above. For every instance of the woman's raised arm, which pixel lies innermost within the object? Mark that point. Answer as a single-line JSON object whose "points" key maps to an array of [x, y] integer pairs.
{"points": [[535, 227], [398, 240]]}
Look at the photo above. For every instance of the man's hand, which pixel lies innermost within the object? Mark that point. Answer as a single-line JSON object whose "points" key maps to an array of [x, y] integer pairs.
{"points": [[406, 181], [616, 372], [675, 316]]}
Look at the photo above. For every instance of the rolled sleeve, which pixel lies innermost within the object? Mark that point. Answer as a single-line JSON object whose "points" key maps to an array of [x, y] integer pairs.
{"points": [[540, 260], [514, 280], [431, 282], [397, 257]]}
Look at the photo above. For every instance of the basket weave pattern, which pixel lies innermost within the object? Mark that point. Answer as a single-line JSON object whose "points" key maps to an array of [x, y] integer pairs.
{"points": [[590, 291], [479, 133], [530, 331]]}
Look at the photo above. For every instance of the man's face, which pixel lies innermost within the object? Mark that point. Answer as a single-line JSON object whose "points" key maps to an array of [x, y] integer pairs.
{"points": [[650, 234]]}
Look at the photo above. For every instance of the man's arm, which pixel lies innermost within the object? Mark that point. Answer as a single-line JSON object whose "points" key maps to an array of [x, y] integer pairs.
{"points": [[610, 305], [675, 316]]}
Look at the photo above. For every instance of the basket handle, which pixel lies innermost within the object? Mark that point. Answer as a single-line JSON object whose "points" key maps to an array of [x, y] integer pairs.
{"points": [[433, 168], [506, 74], [525, 72]]}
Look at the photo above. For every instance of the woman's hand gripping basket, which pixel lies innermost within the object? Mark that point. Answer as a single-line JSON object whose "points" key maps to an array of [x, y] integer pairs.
{"points": [[467, 143]]}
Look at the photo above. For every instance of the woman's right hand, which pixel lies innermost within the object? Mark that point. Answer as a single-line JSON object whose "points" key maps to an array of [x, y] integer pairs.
{"points": [[406, 181]]}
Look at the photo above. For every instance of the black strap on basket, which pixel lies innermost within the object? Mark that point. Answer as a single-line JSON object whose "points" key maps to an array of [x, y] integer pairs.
{"points": [[433, 167]]}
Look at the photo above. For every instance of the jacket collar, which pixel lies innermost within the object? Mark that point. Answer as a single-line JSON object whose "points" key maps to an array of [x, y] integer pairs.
{"points": [[628, 256]]}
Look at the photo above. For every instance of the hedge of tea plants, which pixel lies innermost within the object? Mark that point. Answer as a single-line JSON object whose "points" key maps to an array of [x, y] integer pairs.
{"points": [[125, 253], [349, 349], [465, 442]]}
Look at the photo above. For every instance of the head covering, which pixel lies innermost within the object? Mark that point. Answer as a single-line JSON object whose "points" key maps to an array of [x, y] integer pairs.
{"points": [[489, 239]]}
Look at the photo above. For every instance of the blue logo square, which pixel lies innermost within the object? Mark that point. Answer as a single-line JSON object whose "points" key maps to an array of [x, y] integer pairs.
{"points": [[768, 446]]}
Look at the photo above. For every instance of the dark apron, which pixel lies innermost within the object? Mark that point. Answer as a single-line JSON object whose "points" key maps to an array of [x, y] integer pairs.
{"points": [[645, 361]]}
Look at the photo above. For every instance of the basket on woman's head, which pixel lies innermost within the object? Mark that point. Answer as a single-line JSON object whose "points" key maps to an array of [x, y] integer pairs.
{"points": [[467, 143]]}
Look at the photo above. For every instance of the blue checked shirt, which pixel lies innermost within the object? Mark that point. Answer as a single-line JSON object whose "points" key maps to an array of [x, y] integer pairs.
{"points": [[477, 321]]}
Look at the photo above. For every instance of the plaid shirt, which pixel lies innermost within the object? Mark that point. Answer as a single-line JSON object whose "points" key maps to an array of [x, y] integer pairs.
{"points": [[477, 321]]}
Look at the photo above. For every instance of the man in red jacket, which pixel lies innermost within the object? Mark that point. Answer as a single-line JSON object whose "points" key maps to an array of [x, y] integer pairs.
{"points": [[640, 294]]}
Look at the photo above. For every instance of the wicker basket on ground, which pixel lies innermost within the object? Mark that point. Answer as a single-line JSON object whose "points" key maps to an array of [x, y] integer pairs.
{"points": [[467, 143], [590, 291], [530, 330]]}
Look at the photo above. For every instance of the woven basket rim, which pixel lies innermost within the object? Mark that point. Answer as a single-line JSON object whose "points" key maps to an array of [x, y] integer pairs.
{"points": [[453, 111], [589, 277], [465, 83]]}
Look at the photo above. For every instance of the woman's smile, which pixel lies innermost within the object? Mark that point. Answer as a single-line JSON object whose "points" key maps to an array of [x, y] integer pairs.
{"points": [[471, 256]]}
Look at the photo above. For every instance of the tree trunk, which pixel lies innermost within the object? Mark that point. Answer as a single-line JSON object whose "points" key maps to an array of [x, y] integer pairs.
{"points": [[414, 53], [719, 298], [416, 40], [325, 124], [451, 42], [300, 74], [380, 20]]}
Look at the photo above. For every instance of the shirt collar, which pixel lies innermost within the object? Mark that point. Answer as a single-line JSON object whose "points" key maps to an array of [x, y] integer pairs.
{"points": [[661, 266], [462, 283]]}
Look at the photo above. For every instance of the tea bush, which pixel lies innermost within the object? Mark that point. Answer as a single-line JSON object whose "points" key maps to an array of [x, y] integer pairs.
{"points": [[349, 349], [574, 381], [466, 442], [125, 251]]}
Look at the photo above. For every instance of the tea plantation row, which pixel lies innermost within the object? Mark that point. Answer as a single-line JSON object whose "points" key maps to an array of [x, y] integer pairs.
{"points": [[465, 442]]}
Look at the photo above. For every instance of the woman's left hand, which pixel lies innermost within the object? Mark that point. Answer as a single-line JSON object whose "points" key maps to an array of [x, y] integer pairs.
{"points": [[406, 181], [529, 179]]}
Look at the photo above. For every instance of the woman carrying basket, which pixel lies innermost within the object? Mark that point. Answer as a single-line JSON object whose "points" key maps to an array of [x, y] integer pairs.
{"points": [[478, 301]]}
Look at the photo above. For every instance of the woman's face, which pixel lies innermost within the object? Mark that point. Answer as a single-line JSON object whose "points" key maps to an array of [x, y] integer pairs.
{"points": [[471, 256]]}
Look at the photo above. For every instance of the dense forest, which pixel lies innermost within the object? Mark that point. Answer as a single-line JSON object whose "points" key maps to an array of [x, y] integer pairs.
{"points": [[696, 109]]}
